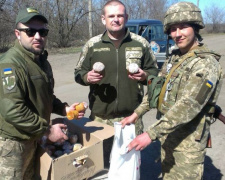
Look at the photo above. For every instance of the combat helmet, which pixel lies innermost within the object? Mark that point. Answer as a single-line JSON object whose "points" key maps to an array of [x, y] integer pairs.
{"points": [[183, 12]]}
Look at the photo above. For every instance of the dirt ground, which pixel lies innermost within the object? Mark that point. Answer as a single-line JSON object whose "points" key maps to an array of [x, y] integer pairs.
{"points": [[67, 90]]}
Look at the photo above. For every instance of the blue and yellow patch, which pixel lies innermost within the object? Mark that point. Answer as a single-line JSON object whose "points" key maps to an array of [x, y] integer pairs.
{"points": [[7, 71], [204, 91], [209, 84], [8, 80]]}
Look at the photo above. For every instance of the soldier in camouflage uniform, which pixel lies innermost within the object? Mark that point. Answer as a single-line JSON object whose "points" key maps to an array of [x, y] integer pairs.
{"points": [[26, 98], [115, 94], [189, 99]]}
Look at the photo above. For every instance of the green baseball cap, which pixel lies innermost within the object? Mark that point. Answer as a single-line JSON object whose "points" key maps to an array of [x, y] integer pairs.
{"points": [[27, 14]]}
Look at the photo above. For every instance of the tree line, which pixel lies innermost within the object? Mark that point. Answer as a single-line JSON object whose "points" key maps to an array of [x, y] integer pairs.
{"points": [[69, 19]]}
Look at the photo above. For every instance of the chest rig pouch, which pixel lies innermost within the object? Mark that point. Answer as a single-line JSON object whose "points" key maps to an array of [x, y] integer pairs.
{"points": [[155, 85]]}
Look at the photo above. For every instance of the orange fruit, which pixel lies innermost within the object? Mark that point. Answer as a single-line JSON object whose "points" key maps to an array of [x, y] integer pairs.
{"points": [[75, 114], [70, 115], [80, 107]]}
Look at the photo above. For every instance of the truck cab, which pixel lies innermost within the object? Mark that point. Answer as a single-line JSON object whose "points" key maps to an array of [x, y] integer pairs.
{"points": [[152, 30]]}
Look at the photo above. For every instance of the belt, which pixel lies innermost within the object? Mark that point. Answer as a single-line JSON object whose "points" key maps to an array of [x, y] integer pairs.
{"points": [[106, 117]]}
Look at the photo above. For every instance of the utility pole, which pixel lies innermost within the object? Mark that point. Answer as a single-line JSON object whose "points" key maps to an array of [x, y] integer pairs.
{"points": [[198, 3], [90, 17]]}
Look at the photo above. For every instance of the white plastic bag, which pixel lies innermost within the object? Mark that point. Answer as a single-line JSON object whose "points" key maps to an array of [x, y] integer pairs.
{"points": [[124, 165]]}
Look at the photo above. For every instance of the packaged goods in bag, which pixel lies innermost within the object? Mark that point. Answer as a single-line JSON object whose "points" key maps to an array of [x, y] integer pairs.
{"points": [[124, 164]]}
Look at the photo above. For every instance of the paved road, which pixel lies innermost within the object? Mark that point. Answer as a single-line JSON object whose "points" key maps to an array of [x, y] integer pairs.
{"points": [[67, 90]]}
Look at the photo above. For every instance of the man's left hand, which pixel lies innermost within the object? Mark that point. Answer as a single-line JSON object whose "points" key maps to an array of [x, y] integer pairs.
{"points": [[140, 142], [129, 120], [73, 107], [55, 133], [139, 76]]}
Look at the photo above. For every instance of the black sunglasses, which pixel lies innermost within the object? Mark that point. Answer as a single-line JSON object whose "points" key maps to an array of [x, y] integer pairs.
{"points": [[31, 32]]}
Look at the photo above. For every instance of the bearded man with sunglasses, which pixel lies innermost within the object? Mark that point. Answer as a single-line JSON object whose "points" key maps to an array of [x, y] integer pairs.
{"points": [[26, 98]]}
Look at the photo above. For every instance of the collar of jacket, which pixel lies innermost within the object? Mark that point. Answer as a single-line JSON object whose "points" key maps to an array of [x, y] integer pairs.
{"points": [[105, 37], [43, 56], [200, 50]]}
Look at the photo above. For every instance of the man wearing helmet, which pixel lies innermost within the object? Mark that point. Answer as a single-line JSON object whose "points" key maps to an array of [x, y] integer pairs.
{"points": [[193, 79]]}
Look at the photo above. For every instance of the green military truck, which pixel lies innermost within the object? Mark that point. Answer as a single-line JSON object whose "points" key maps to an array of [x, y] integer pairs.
{"points": [[152, 30]]}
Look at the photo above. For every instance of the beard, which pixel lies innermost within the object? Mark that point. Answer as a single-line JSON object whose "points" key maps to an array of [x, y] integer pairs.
{"points": [[36, 51]]}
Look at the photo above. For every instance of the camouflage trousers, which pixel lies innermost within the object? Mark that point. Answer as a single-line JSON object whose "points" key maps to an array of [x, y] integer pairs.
{"points": [[17, 159], [182, 165], [107, 144]]}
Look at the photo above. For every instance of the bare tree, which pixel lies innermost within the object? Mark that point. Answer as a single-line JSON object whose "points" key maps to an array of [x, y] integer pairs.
{"points": [[157, 9], [98, 27], [63, 18], [215, 16], [69, 20], [7, 20], [147, 9]]}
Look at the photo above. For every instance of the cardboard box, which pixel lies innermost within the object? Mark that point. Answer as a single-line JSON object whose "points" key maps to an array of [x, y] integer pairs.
{"points": [[91, 134]]}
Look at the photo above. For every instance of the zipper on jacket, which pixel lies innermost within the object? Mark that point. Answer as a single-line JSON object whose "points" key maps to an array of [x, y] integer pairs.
{"points": [[117, 81]]}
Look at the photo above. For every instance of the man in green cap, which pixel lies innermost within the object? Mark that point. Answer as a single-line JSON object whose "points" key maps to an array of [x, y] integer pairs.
{"points": [[186, 105], [26, 98]]}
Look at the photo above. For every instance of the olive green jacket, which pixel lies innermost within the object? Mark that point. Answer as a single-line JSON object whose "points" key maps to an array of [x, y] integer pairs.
{"points": [[26, 94], [115, 95]]}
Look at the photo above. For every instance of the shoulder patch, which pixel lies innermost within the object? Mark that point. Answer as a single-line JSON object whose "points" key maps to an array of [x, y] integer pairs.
{"points": [[209, 84], [8, 80], [7, 71], [203, 93]]}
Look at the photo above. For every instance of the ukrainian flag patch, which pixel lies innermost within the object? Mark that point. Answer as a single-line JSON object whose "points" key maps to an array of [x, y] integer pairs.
{"points": [[209, 84], [8, 80], [7, 71]]}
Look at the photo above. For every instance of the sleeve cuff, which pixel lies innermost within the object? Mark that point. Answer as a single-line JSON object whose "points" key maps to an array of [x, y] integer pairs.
{"points": [[152, 135], [85, 80], [137, 111]]}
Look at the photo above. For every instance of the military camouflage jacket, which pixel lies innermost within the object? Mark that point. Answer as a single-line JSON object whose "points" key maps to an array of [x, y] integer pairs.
{"points": [[191, 93], [115, 95], [26, 94]]}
